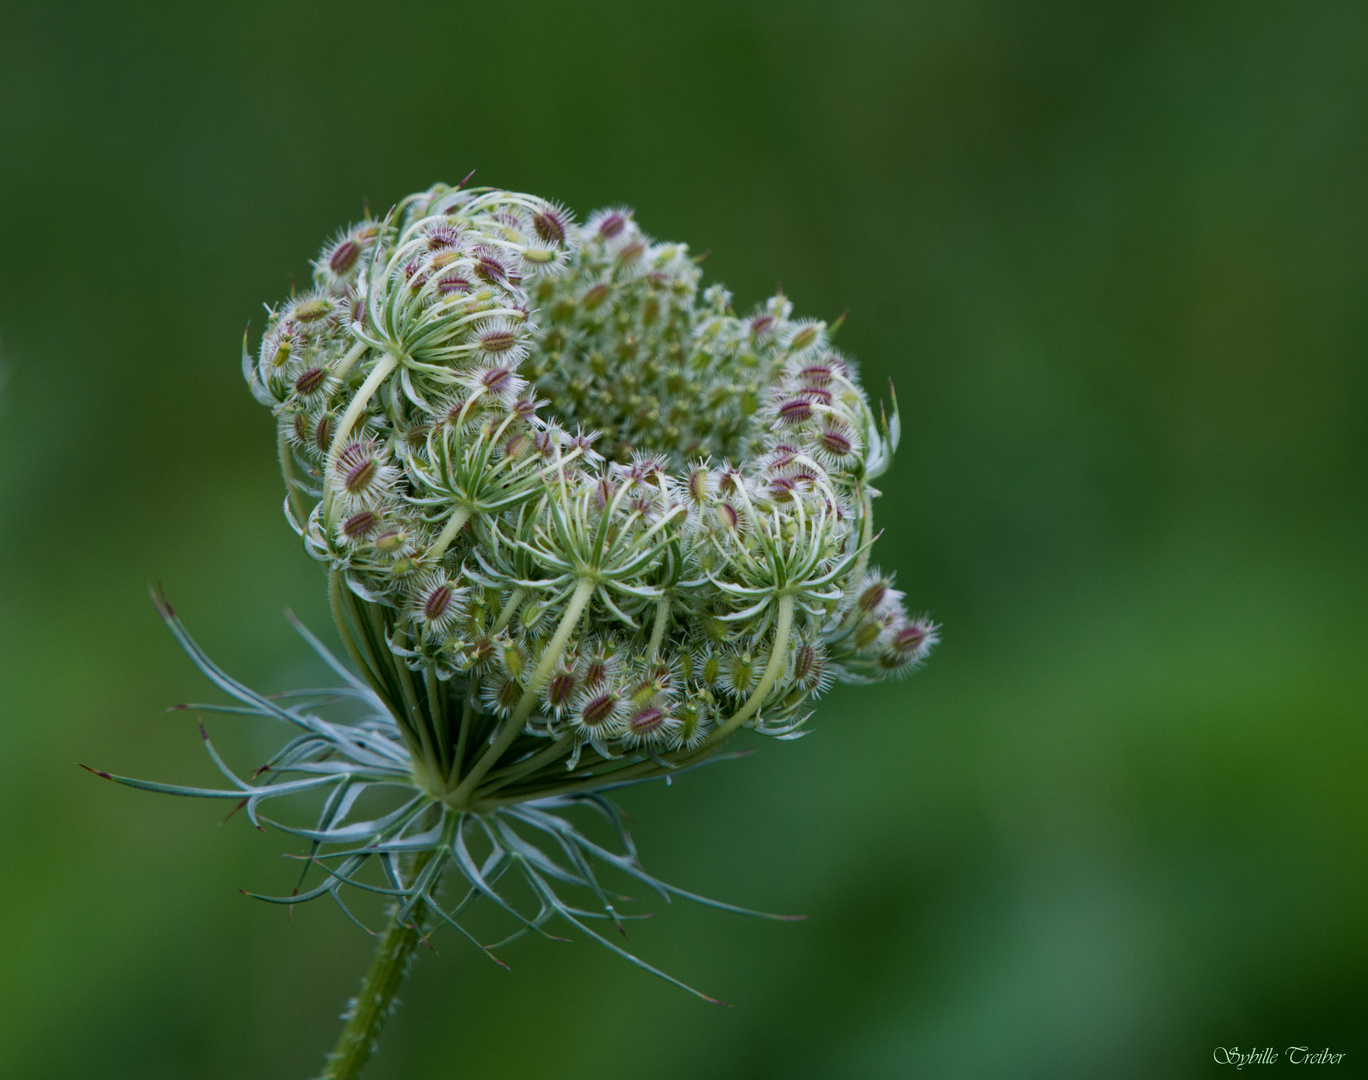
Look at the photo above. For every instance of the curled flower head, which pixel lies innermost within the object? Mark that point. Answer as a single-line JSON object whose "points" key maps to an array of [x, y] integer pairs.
{"points": [[603, 468]]}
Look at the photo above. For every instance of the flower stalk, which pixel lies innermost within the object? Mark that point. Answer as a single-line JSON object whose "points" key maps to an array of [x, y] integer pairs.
{"points": [[367, 1013]]}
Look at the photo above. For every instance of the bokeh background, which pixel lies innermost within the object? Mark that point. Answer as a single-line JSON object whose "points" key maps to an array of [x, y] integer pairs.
{"points": [[1114, 257]]}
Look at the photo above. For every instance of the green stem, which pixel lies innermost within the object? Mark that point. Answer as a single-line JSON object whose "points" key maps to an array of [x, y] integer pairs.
{"points": [[374, 1004], [503, 777], [467, 718], [777, 658], [378, 374], [458, 518], [437, 713], [353, 354], [291, 485], [364, 663], [662, 616], [509, 610], [866, 539]]}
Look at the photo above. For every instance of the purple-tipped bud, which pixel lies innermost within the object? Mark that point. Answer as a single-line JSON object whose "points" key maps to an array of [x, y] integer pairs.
{"points": [[910, 643], [359, 469], [502, 695], [810, 668], [457, 412], [389, 541], [490, 266], [498, 339], [611, 224], [781, 458], [795, 411], [731, 482], [837, 440], [442, 236], [647, 722], [909, 638], [698, 484], [631, 252], [560, 690], [437, 603], [596, 670], [583, 441], [498, 380], [344, 257], [803, 338], [551, 225], [310, 381], [599, 708], [595, 296], [873, 594], [323, 433], [361, 475], [481, 651], [360, 525]]}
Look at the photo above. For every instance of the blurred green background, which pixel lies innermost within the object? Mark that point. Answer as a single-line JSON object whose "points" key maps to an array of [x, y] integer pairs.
{"points": [[1115, 258]]}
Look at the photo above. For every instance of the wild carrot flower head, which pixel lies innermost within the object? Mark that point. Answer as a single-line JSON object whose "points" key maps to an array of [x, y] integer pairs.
{"points": [[560, 423], [581, 522]]}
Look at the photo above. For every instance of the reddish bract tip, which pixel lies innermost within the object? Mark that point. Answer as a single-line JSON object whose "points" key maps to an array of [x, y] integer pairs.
{"points": [[228, 816], [161, 602]]}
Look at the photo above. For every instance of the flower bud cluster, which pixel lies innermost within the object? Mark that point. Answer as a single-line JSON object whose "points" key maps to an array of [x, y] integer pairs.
{"points": [[622, 515]]}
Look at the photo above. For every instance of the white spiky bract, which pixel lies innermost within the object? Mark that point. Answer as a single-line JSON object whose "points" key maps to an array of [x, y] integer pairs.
{"points": [[581, 524]]}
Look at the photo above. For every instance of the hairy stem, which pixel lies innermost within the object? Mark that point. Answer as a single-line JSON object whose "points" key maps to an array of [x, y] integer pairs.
{"points": [[373, 1005]]}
